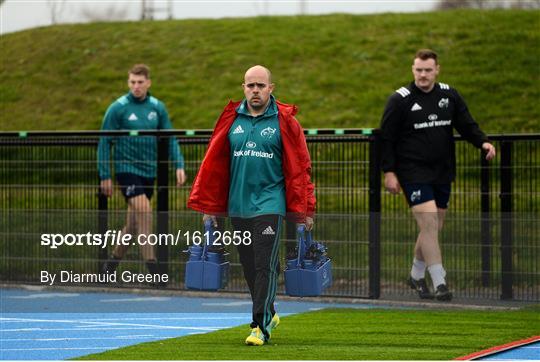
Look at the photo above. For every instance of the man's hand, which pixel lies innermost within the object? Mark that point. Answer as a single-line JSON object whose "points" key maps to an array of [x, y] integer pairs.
{"points": [[490, 150], [308, 223], [106, 187], [210, 217], [391, 183], [180, 177]]}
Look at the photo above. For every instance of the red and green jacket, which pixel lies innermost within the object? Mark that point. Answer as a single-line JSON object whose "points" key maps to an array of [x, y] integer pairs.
{"points": [[210, 191]]}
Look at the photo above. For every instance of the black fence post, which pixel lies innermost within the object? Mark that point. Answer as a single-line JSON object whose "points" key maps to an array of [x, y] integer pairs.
{"points": [[506, 220], [102, 225], [485, 226], [374, 216], [162, 251]]}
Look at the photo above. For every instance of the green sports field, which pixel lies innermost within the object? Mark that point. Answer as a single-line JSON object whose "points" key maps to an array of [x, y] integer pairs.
{"points": [[347, 334]]}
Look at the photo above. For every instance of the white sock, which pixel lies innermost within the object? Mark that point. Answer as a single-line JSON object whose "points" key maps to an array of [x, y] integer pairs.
{"points": [[418, 270], [437, 273]]}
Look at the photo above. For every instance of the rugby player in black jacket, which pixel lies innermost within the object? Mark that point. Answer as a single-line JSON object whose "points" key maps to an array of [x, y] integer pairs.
{"points": [[418, 157]]}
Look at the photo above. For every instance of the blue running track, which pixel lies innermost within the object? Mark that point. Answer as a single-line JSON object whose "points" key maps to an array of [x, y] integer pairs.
{"points": [[45, 325], [51, 325], [527, 352]]}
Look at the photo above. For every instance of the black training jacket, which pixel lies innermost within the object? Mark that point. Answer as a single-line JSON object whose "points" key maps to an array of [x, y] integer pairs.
{"points": [[417, 133]]}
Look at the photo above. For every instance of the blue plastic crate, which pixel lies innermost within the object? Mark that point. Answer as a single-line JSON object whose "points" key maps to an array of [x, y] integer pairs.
{"points": [[206, 270], [206, 275], [305, 277], [303, 282]]}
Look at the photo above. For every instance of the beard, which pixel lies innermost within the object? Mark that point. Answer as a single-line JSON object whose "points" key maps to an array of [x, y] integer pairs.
{"points": [[257, 104]]}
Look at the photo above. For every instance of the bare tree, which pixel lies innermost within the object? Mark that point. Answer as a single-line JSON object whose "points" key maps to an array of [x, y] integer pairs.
{"points": [[56, 7], [485, 4], [480, 4], [458, 4], [526, 4], [263, 10], [151, 8], [108, 14], [303, 7], [453, 4]]}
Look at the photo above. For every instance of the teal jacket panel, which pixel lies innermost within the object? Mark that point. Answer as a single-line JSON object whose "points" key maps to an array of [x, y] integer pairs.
{"points": [[135, 154], [257, 184]]}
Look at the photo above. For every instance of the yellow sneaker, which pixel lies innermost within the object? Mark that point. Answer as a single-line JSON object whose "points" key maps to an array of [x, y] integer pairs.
{"points": [[273, 324], [256, 338]]}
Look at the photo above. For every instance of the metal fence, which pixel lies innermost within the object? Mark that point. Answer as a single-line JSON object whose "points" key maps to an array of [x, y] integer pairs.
{"points": [[490, 243]]}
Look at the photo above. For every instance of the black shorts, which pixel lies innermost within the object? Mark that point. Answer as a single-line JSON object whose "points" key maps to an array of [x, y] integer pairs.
{"points": [[133, 185], [417, 194]]}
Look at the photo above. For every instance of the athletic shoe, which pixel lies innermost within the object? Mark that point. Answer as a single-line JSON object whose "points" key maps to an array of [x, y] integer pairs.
{"points": [[421, 288], [256, 338], [443, 293], [273, 324]]}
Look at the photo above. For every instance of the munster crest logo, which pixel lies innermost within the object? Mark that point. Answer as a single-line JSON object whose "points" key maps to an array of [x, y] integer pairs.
{"points": [[443, 103], [268, 132]]}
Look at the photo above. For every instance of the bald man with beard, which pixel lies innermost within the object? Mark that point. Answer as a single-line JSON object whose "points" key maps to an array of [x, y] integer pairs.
{"points": [[257, 171]]}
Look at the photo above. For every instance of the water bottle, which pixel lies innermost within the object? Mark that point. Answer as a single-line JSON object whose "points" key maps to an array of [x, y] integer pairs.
{"points": [[195, 253], [291, 263], [217, 258]]}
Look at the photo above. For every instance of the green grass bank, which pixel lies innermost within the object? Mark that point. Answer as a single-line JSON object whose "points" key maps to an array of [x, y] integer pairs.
{"points": [[339, 69]]}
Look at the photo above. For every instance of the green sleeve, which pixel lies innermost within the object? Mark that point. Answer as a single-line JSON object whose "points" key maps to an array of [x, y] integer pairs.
{"points": [[175, 154], [110, 122]]}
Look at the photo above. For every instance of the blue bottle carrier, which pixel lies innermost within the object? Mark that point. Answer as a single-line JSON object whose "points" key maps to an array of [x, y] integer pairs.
{"points": [[311, 271], [206, 270]]}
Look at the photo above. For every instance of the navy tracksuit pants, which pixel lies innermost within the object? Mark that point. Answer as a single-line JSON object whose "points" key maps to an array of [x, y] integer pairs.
{"points": [[260, 262]]}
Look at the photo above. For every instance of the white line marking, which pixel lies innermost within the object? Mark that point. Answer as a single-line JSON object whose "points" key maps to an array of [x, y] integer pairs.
{"points": [[91, 325], [142, 336], [141, 299], [25, 320], [111, 329], [98, 324], [228, 304], [170, 318], [44, 296], [56, 349]]}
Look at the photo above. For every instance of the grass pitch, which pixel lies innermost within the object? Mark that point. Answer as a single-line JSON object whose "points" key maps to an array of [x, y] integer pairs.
{"points": [[346, 334]]}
